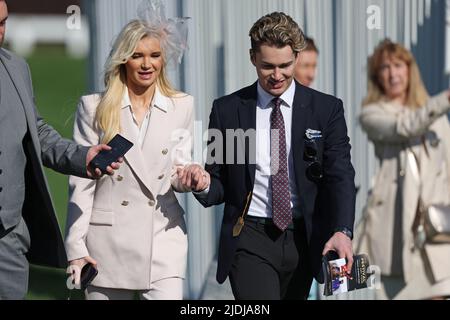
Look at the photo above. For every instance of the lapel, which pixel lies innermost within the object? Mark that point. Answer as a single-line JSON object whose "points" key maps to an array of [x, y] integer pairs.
{"points": [[247, 120], [301, 114], [24, 96], [160, 124], [134, 157], [137, 157]]}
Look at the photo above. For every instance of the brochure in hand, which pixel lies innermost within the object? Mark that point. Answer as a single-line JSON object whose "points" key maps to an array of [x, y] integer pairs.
{"points": [[337, 280]]}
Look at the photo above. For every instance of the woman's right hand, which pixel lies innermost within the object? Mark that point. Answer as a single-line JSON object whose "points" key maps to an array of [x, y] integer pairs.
{"points": [[76, 266]]}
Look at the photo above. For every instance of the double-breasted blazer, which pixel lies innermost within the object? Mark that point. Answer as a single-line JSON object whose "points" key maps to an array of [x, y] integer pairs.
{"points": [[386, 230], [131, 223]]}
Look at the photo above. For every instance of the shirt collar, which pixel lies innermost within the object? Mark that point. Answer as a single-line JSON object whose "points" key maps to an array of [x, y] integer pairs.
{"points": [[265, 98], [159, 100]]}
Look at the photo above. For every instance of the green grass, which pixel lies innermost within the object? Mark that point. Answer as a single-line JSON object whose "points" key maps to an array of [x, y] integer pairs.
{"points": [[58, 82]]}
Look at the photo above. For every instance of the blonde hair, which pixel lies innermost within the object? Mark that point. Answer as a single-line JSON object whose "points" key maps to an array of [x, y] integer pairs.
{"points": [[277, 29], [416, 96], [107, 117]]}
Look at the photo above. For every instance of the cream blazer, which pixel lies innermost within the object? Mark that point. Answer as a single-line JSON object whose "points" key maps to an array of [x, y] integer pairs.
{"points": [[131, 223], [395, 192]]}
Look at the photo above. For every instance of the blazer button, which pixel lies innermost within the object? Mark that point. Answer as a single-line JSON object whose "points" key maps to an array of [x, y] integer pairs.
{"points": [[165, 151], [434, 143], [125, 203], [119, 178], [402, 173], [160, 177], [151, 203]]}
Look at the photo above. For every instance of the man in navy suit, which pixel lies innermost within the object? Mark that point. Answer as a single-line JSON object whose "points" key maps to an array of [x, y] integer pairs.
{"points": [[285, 174]]}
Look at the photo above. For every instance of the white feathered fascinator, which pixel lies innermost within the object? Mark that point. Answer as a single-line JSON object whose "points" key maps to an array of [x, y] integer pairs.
{"points": [[174, 31]]}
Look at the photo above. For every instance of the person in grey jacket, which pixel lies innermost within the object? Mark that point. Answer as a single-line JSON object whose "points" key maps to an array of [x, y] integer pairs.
{"points": [[29, 230], [401, 120]]}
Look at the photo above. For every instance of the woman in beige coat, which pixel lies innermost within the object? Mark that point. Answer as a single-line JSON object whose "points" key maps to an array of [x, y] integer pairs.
{"points": [[130, 225], [399, 116]]}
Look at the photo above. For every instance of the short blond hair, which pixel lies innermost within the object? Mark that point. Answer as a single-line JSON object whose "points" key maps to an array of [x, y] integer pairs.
{"points": [[279, 30]]}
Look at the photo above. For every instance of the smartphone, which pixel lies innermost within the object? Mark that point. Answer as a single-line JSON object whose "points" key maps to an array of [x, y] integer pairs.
{"points": [[88, 273], [119, 146]]}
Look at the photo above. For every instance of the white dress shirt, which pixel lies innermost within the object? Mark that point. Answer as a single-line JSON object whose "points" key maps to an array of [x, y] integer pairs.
{"points": [[261, 204], [142, 130]]}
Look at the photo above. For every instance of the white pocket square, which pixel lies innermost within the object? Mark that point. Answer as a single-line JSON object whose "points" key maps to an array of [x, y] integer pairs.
{"points": [[313, 134]]}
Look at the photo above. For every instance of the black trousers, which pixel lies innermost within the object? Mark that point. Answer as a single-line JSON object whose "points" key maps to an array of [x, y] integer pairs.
{"points": [[270, 264]]}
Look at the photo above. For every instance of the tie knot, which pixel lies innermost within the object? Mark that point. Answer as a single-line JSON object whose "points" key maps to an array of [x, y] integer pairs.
{"points": [[276, 102]]}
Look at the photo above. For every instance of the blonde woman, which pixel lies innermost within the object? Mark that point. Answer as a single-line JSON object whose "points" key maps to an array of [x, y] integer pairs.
{"points": [[399, 117], [131, 226]]}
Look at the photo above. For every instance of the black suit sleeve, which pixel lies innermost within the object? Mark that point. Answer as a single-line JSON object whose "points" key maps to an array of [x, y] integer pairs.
{"points": [[215, 161], [339, 174]]}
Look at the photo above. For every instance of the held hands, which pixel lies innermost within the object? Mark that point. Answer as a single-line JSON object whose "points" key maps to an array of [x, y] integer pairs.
{"points": [[76, 266], [97, 173], [342, 244], [194, 177]]}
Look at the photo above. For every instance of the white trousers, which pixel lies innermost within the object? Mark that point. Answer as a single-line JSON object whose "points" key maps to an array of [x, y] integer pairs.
{"points": [[165, 289]]}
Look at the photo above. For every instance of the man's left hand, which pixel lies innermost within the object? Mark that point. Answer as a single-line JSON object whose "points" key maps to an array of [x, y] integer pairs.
{"points": [[194, 177], [96, 173], [342, 244]]}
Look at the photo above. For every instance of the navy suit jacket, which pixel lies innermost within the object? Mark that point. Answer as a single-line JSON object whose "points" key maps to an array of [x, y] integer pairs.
{"points": [[325, 204]]}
